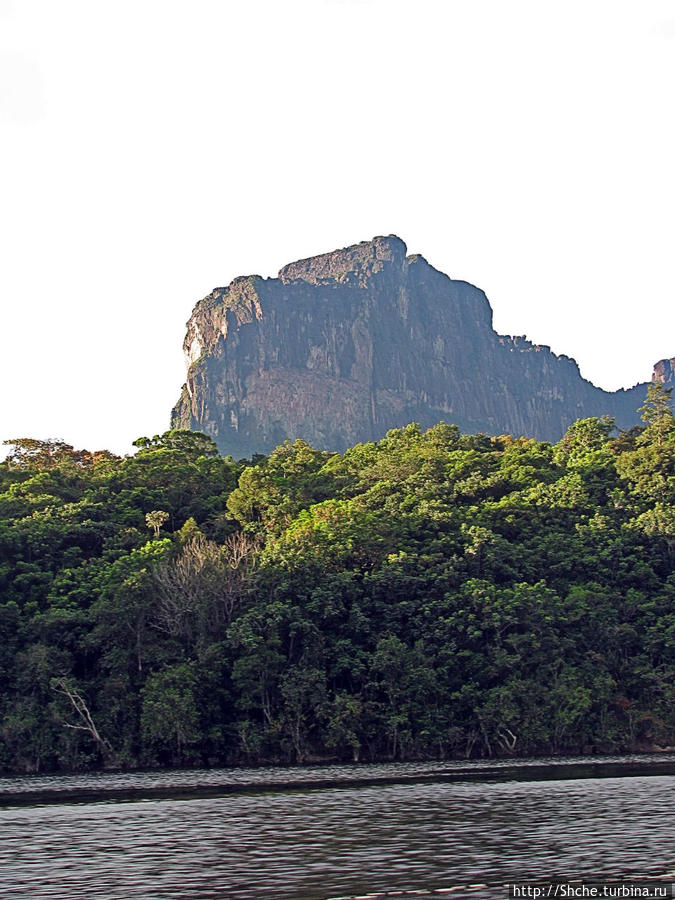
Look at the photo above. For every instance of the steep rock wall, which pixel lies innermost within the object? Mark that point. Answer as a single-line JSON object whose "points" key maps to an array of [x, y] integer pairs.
{"points": [[342, 347]]}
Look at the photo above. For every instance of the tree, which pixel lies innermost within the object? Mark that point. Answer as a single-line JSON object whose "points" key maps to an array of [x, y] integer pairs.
{"points": [[169, 717], [657, 412], [583, 440], [200, 587], [30, 453], [303, 691], [156, 519], [37, 455], [84, 721], [192, 443]]}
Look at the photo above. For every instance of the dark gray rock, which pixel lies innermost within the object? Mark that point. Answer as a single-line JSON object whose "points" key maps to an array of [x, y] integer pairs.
{"points": [[342, 347]]}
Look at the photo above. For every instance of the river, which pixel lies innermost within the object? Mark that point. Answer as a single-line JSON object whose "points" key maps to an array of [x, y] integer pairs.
{"points": [[453, 830]]}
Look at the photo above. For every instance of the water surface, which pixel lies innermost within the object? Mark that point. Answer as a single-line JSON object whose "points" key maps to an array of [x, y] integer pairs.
{"points": [[293, 838]]}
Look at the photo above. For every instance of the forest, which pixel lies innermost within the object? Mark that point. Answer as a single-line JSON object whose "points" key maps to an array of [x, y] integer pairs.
{"points": [[432, 595]]}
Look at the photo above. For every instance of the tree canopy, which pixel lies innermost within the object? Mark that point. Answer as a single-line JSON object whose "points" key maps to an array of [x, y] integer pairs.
{"points": [[432, 594]]}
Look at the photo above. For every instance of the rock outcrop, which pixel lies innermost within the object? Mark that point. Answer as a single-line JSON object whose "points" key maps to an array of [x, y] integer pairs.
{"points": [[342, 347], [664, 371]]}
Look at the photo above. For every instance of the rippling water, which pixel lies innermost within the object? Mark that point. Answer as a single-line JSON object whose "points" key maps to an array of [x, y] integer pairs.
{"points": [[341, 841]]}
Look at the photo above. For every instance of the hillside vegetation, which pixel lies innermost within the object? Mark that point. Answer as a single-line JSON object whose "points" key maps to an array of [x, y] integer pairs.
{"points": [[435, 594]]}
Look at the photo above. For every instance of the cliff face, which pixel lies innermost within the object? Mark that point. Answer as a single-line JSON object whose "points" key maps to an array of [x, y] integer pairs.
{"points": [[342, 347]]}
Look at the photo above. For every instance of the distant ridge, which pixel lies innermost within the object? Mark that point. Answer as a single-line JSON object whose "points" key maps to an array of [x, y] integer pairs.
{"points": [[342, 347]]}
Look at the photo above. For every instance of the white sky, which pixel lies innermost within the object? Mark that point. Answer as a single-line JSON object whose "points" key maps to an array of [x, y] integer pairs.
{"points": [[151, 151]]}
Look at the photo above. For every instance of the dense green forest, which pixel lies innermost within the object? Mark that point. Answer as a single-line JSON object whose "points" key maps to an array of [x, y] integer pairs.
{"points": [[431, 595]]}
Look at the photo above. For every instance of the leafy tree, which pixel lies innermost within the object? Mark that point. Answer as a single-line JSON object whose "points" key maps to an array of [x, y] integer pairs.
{"points": [[657, 412], [191, 443], [169, 717], [155, 520]]}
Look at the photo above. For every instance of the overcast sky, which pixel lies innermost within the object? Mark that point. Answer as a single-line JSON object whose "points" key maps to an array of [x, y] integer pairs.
{"points": [[153, 150]]}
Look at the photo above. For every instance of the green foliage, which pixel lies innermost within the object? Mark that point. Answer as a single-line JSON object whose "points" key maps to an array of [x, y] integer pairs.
{"points": [[657, 411], [191, 443], [169, 716], [431, 594]]}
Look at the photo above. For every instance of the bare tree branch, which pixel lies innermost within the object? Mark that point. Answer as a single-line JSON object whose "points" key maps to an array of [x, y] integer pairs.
{"points": [[61, 686], [199, 589]]}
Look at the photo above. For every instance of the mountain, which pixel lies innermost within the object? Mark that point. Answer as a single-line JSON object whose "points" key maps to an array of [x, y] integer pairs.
{"points": [[342, 347]]}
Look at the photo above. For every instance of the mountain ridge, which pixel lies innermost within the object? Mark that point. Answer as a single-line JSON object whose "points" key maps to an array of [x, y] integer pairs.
{"points": [[341, 347]]}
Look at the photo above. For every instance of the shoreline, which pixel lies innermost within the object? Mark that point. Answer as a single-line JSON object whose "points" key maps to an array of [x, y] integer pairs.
{"points": [[210, 783]]}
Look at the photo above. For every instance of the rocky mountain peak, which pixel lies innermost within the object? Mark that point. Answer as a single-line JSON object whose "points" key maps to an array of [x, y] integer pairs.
{"points": [[344, 346], [358, 262]]}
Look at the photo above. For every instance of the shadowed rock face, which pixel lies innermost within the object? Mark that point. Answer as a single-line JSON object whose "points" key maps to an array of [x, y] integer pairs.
{"points": [[342, 347], [664, 371]]}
